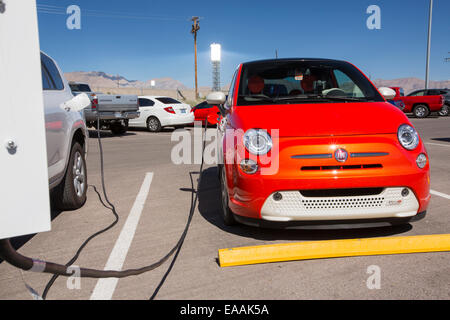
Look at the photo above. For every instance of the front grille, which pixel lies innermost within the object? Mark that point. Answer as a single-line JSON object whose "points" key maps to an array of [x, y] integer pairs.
{"points": [[342, 167], [354, 192]]}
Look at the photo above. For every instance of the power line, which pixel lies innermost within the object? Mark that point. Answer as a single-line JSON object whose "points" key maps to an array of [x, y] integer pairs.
{"points": [[107, 14]]}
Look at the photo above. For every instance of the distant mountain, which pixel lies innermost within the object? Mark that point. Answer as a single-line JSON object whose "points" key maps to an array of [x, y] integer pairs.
{"points": [[101, 79], [411, 84]]}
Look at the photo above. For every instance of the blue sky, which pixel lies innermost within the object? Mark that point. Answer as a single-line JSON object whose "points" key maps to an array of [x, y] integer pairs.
{"points": [[157, 42]]}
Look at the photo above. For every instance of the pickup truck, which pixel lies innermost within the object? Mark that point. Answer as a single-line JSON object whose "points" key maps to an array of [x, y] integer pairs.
{"points": [[419, 104], [113, 111]]}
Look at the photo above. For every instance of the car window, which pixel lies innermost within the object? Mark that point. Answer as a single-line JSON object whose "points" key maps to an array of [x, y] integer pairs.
{"points": [[402, 92], [78, 87], [146, 102], [52, 71], [230, 97], [417, 93], [203, 105], [167, 100], [303, 81], [46, 85]]}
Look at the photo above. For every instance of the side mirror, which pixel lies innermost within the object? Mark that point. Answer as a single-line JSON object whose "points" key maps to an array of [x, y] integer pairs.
{"points": [[387, 93], [77, 103], [216, 98]]}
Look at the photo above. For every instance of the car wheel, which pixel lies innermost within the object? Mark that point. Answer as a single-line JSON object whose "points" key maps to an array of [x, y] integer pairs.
{"points": [[444, 111], [119, 128], [421, 111], [227, 214], [70, 194], [153, 124]]}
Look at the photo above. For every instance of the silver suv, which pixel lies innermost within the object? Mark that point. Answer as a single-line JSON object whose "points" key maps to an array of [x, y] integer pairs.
{"points": [[66, 134]]}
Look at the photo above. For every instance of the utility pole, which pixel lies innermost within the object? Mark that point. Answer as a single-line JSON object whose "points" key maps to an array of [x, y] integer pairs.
{"points": [[427, 73], [194, 30]]}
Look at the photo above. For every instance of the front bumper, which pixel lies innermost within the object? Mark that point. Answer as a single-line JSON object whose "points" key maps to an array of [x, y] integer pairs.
{"points": [[293, 205], [251, 196]]}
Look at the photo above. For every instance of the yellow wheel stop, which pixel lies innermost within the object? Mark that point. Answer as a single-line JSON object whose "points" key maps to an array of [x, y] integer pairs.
{"points": [[333, 249]]}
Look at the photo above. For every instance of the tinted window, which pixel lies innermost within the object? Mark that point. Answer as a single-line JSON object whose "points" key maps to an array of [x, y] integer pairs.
{"points": [[53, 72], [145, 102], [167, 100], [203, 105], [46, 85], [417, 93], [77, 87], [303, 81]]}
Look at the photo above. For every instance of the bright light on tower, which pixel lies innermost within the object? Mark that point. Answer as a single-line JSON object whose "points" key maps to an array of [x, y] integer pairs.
{"points": [[215, 59], [215, 52]]}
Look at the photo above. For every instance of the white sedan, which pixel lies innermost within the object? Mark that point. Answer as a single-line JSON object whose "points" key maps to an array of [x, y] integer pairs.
{"points": [[157, 112]]}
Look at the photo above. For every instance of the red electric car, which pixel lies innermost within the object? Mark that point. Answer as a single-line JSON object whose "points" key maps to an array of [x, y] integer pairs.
{"points": [[205, 112], [312, 142]]}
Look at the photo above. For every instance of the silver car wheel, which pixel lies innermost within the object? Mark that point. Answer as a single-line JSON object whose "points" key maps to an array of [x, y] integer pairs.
{"points": [[79, 174]]}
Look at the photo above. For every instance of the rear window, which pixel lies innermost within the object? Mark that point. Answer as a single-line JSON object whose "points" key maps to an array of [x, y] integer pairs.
{"points": [[167, 100], [79, 87], [145, 102]]}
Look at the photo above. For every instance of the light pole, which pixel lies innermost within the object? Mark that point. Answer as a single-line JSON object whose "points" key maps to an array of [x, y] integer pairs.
{"points": [[427, 73], [194, 30], [215, 60]]}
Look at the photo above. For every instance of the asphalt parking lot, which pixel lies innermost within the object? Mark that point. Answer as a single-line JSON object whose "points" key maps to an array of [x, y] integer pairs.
{"points": [[141, 159]]}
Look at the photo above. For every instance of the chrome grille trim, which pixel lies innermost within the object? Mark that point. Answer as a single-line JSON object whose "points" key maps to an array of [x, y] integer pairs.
{"points": [[368, 154], [313, 156]]}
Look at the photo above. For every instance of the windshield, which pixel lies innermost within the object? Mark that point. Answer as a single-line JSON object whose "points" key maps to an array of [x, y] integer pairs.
{"points": [[314, 81], [79, 87]]}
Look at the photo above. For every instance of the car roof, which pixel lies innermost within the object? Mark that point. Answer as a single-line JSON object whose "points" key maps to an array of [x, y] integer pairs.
{"points": [[293, 60]]}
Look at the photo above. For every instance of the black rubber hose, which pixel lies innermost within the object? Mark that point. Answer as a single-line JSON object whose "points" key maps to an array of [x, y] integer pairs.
{"points": [[10, 255]]}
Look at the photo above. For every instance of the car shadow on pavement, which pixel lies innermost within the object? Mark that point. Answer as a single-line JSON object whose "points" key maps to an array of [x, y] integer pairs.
{"points": [[209, 207], [441, 139], [108, 134]]}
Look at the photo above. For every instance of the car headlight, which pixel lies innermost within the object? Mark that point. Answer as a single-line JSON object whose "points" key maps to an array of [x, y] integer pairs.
{"points": [[408, 137], [257, 141]]}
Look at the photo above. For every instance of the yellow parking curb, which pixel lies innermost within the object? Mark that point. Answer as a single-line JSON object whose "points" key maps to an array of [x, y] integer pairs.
{"points": [[333, 249]]}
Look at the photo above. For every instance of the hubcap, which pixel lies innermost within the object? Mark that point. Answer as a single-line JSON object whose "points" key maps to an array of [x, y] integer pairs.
{"points": [[79, 174], [420, 111], [444, 111], [153, 124]]}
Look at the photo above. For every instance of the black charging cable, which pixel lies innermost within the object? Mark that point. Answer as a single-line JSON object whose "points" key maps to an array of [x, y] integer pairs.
{"points": [[10, 255]]}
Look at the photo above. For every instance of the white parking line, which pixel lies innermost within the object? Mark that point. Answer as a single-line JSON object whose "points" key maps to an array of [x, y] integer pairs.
{"points": [[104, 289], [438, 144], [440, 194]]}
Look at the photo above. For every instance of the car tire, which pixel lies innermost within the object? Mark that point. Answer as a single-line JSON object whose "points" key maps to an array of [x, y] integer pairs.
{"points": [[421, 111], [153, 124], [227, 214], [444, 111], [70, 194], [119, 128]]}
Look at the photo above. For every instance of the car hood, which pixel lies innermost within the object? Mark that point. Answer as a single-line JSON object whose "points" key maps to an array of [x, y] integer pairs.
{"points": [[321, 119]]}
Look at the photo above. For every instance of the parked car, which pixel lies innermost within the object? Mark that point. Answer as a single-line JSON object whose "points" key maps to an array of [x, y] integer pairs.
{"points": [[419, 104], [157, 112], [398, 103], [66, 135], [114, 111], [433, 92], [203, 111], [324, 148]]}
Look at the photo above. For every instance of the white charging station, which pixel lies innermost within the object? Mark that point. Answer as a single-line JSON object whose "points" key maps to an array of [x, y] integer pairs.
{"points": [[24, 193]]}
